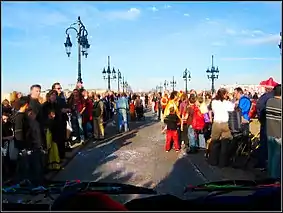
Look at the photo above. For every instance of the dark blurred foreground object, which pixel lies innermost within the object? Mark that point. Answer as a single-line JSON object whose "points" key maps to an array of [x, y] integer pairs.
{"points": [[89, 201]]}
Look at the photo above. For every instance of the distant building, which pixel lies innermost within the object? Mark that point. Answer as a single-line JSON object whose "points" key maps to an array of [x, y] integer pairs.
{"points": [[248, 87]]}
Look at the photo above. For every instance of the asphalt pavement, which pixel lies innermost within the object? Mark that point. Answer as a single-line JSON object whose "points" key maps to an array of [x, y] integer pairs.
{"points": [[138, 157]]}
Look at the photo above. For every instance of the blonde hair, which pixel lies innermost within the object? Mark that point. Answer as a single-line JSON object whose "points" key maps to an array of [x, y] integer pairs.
{"points": [[13, 96], [41, 100], [200, 99]]}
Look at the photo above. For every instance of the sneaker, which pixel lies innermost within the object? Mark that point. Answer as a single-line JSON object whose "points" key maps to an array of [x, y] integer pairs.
{"points": [[167, 151], [177, 150]]}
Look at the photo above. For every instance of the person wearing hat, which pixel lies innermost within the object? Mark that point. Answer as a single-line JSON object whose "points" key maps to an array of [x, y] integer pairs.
{"points": [[261, 114], [273, 132]]}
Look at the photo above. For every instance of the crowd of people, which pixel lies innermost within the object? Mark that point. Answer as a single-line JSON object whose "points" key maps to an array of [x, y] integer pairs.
{"points": [[37, 132], [218, 122]]}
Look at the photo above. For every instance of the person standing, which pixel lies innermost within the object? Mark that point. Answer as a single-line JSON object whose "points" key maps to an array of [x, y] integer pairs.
{"points": [[273, 130], [122, 109], [220, 132], [159, 106], [146, 100], [172, 121], [164, 102], [261, 114], [244, 104], [98, 110], [62, 104]]}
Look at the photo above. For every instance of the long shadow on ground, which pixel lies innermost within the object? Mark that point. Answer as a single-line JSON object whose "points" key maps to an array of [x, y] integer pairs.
{"points": [[93, 156]]}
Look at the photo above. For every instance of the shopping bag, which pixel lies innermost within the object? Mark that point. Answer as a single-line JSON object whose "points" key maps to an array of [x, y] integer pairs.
{"points": [[13, 151]]}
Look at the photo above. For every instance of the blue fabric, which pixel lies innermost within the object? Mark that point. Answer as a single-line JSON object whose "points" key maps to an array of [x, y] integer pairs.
{"points": [[274, 157], [191, 134], [123, 119], [245, 106]]}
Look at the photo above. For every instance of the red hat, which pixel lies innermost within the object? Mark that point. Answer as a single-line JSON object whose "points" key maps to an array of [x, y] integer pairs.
{"points": [[270, 83]]}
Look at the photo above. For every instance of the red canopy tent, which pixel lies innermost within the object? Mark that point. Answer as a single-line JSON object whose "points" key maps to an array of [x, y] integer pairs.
{"points": [[270, 83]]}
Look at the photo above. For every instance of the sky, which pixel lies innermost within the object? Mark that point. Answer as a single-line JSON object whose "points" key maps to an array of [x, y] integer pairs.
{"points": [[149, 42]]}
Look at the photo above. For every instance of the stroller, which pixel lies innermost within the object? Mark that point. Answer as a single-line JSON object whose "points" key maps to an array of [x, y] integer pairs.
{"points": [[242, 147]]}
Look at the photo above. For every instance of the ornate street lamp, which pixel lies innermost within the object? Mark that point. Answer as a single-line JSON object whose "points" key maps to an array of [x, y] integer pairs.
{"points": [[83, 44], [165, 84], [119, 78], [108, 74], [213, 75], [173, 84], [186, 77], [124, 84], [280, 44], [159, 88]]}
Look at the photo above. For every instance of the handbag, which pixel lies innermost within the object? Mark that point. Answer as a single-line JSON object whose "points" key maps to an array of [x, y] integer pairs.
{"points": [[13, 151]]}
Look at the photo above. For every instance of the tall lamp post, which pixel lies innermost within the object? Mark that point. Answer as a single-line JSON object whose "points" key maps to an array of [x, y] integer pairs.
{"points": [[186, 77], [212, 74], [173, 84], [111, 75], [159, 88], [280, 44], [165, 84], [124, 84], [83, 44], [119, 78]]}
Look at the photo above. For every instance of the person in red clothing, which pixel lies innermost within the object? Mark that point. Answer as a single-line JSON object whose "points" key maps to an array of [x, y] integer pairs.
{"points": [[77, 105], [87, 115], [172, 121]]}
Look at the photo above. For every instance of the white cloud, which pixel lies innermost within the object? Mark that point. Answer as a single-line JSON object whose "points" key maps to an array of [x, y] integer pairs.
{"points": [[131, 14], [266, 39], [153, 9], [167, 6], [207, 19], [186, 14], [252, 33], [230, 32], [250, 59], [218, 43]]}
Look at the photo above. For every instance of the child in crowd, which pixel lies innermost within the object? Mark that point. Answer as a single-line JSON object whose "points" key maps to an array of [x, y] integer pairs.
{"points": [[172, 121]]}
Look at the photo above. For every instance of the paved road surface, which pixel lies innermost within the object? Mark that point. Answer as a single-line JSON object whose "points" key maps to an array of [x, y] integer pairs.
{"points": [[139, 158]]}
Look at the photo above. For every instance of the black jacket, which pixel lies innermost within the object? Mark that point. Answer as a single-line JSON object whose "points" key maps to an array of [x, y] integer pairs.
{"points": [[171, 121]]}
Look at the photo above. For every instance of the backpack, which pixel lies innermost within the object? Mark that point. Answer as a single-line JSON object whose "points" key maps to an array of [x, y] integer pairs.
{"points": [[97, 110], [198, 119]]}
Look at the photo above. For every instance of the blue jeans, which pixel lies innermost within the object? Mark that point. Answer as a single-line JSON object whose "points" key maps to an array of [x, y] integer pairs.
{"points": [[274, 157], [77, 125], [192, 139], [201, 141], [123, 120]]}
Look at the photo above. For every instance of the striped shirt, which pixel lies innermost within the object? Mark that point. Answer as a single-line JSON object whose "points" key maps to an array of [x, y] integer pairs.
{"points": [[273, 117]]}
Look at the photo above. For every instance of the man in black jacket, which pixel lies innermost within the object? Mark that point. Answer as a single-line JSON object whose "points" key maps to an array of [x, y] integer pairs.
{"points": [[61, 100]]}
